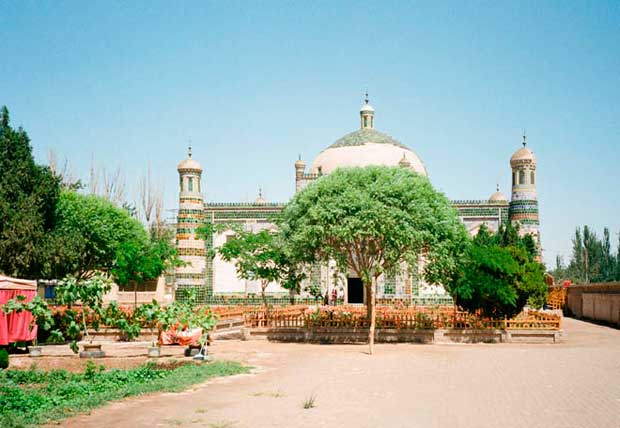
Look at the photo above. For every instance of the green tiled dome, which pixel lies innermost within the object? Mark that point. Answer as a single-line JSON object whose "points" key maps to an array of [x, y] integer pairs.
{"points": [[363, 136]]}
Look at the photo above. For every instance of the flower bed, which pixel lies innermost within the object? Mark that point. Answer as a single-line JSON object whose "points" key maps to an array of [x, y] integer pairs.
{"points": [[440, 317]]}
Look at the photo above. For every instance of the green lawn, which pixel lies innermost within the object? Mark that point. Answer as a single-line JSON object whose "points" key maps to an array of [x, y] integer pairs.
{"points": [[34, 396]]}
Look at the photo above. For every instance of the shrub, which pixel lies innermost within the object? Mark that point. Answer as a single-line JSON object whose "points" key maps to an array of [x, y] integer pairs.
{"points": [[4, 359]]}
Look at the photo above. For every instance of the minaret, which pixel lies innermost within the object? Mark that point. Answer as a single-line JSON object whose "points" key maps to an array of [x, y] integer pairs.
{"points": [[524, 200], [300, 167], [190, 249], [367, 115]]}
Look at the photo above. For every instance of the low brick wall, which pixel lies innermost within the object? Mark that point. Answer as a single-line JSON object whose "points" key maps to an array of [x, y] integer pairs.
{"points": [[353, 335], [597, 302]]}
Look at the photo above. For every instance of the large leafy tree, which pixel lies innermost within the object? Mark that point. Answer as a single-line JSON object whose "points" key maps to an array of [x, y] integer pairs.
{"points": [[499, 274], [262, 257], [375, 220], [498, 281], [138, 261], [94, 231], [28, 196]]}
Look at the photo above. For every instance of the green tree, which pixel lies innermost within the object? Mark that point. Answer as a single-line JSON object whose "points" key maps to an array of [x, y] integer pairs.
{"points": [[94, 232], [28, 195], [498, 281], [617, 268], [139, 261], [87, 292], [559, 273], [607, 259], [375, 220], [261, 257], [576, 265]]}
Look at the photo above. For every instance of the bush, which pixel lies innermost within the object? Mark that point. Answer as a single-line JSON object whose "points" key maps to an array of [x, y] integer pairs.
{"points": [[498, 281], [4, 359]]}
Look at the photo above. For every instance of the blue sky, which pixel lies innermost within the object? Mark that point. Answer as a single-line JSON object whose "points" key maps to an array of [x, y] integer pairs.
{"points": [[255, 84]]}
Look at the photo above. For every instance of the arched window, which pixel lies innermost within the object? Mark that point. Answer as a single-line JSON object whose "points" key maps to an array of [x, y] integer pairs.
{"points": [[191, 184], [532, 179], [521, 177], [514, 178], [181, 183], [365, 121]]}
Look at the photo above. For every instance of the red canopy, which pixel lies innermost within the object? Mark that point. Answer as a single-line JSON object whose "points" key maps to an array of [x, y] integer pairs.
{"points": [[16, 327]]}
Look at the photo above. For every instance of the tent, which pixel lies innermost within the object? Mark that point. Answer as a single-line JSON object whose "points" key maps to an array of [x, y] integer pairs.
{"points": [[16, 327]]}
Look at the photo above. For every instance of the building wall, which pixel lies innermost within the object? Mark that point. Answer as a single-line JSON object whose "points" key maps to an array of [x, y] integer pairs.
{"points": [[221, 277]]}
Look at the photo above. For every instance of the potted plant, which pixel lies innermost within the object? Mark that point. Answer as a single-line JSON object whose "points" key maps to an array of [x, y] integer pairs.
{"points": [[204, 319], [41, 315], [187, 315], [149, 315], [89, 293]]}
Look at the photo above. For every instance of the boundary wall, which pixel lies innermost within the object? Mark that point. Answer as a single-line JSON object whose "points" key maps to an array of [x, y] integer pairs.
{"points": [[597, 302]]}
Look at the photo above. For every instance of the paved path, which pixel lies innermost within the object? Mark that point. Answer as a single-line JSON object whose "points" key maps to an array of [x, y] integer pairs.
{"points": [[573, 384]]}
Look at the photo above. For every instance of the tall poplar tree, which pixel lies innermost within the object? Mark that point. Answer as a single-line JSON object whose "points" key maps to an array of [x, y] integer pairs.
{"points": [[28, 196]]}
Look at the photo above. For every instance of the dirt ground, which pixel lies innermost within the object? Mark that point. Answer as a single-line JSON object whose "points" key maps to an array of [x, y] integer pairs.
{"points": [[572, 384]]}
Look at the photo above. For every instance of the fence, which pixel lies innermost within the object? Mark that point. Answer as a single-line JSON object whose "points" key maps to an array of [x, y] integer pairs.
{"points": [[346, 317], [556, 297]]}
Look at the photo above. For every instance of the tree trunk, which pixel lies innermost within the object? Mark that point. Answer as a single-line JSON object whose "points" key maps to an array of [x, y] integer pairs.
{"points": [[135, 295], [372, 317], [263, 287]]}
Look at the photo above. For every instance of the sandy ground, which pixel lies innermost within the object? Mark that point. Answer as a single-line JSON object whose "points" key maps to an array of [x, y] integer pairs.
{"points": [[573, 384]]}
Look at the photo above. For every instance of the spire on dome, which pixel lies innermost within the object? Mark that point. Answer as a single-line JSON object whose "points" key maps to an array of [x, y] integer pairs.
{"points": [[189, 149], [260, 200], [367, 114], [404, 162], [524, 139]]}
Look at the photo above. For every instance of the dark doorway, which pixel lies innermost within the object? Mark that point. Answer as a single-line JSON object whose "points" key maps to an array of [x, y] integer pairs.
{"points": [[355, 290]]}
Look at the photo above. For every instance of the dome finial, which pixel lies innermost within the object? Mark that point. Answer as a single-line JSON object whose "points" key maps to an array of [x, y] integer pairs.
{"points": [[260, 200], [524, 138], [367, 114], [497, 187], [189, 149]]}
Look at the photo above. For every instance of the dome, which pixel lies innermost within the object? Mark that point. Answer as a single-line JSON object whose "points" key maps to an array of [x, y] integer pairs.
{"points": [[189, 164], [260, 200], [498, 197], [367, 107], [523, 155], [366, 147]]}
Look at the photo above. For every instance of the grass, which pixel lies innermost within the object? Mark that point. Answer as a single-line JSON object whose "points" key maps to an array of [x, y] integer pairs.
{"points": [[274, 394], [34, 397], [309, 402], [222, 424]]}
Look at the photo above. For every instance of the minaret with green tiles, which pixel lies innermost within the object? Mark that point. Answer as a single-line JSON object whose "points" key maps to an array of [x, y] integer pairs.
{"points": [[191, 250], [524, 200]]}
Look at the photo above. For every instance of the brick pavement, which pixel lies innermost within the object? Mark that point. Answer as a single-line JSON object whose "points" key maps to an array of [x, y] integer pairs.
{"points": [[573, 384]]}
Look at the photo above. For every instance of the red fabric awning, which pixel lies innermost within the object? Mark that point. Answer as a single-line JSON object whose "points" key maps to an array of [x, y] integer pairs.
{"points": [[16, 327]]}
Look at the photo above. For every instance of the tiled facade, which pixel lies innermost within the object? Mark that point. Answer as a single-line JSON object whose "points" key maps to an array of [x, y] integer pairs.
{"points": [[218, 282]]}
